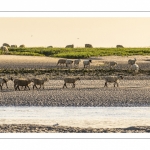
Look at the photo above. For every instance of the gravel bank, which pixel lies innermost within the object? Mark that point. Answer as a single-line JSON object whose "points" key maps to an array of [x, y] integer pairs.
{"points": [[27, 128], [87, 93]]}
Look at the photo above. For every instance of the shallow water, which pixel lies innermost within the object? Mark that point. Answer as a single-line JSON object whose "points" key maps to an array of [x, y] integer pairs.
{"points": [[95, 117]]}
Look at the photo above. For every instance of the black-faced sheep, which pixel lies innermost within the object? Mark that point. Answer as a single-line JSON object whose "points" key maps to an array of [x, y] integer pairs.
{"points": [[87, 63], [69, 62]]}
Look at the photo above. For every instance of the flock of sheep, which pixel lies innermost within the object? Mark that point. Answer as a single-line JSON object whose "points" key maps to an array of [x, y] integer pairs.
{"points": [[24, 82], [86, 63], [76, 62]]}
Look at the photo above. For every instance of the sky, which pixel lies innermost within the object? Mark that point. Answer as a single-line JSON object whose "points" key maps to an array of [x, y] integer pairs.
{"points": [[59, 32]]}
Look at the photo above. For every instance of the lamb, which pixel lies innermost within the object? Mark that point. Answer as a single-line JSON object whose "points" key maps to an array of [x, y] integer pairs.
{"points": [[38, 81], [70, 80], [22, 82], [76, 62], [61, 61], [87, 62], [113, 79], [69, 62], [131, 62]]}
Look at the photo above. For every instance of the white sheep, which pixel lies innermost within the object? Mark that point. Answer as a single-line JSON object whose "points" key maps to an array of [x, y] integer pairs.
{"points": [[70, 80], [39, 81], [76, 62], [61, 62], [113, 79], [5, 49], [135, 68], [131, 62], [69, 62], [87, 63]]}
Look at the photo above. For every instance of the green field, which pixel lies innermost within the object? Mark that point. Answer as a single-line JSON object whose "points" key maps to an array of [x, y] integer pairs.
{"points": [[78, 52]]}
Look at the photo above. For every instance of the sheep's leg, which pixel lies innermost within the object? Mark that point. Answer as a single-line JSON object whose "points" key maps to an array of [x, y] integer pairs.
{"points": [[117, 84], [6, 85], [14, 86], [17, 87], [114, 84], [43, 86], [40, 86], [28, 87], [1, 87], [65, 85], [105, 84], [73, 85], [24, 87]]}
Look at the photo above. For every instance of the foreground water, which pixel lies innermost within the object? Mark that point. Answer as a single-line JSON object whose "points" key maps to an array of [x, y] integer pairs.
{"points": [[95, 117]]}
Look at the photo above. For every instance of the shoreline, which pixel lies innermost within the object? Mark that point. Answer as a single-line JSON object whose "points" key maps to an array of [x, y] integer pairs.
{"points": [[33, 128]]}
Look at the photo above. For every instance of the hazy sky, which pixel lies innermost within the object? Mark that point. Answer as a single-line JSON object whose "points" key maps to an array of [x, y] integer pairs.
{"points": [[59, 32]]}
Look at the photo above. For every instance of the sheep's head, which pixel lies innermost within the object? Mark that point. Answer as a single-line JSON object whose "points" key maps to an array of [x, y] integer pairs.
{"points": [[4, 80], [77, 78], [90, 60], [120, 76]]}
